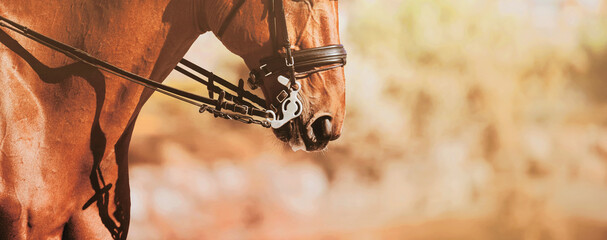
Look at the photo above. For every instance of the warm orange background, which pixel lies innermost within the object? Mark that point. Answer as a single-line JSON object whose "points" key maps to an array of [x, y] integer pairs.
{"points": [[468, 119]]}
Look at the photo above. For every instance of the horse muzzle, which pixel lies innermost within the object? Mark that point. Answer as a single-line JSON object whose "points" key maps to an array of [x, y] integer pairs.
{"points": [[311, 135]]}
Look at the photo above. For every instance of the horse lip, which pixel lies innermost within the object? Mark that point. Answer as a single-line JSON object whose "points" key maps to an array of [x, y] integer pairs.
{"points": [[289, 131], [284, 133]]}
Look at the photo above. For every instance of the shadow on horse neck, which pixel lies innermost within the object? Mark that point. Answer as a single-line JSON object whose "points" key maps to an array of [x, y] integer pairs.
{"points": [[147, 40], [95, 79]]}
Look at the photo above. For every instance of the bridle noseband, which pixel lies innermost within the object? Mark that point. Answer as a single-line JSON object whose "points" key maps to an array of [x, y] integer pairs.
{"points": [[307, 62], [286, 64]]}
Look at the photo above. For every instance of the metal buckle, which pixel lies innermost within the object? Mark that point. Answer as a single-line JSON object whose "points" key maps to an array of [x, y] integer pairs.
{"points": [[242, 109], [291, 63]]}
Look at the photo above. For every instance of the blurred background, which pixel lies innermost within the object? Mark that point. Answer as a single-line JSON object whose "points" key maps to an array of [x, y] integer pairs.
{"points": [[469, 119]]}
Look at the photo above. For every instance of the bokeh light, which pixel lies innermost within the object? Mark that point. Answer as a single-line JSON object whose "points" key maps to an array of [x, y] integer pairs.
{"points": [[470, 119]]}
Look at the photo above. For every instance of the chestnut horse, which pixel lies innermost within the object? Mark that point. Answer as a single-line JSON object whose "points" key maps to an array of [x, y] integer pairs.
{"points": [[65, 127]]}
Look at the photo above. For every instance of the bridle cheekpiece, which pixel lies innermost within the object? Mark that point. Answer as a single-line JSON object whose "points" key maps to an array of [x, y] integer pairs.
{"points": [[288, 65]]}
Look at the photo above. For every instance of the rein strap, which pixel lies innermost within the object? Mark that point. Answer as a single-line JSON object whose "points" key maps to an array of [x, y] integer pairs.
{"points": [[227, 102]]}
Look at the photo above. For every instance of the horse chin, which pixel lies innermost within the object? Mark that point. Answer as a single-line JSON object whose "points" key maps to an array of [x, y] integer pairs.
{"points": [[298, 137]]}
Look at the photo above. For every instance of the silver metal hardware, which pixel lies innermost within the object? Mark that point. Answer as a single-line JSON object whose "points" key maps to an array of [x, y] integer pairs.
{"points": [[283, 80], [291, 108], [289, 64]]}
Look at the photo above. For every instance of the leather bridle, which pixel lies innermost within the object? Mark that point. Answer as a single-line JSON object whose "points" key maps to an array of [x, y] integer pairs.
{"points": [[243, 105], [294, 64]]}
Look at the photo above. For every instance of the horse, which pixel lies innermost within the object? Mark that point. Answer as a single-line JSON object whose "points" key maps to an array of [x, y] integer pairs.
{"points": [[65, 127]]}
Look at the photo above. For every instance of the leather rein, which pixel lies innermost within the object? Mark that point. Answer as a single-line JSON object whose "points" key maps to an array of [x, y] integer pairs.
{"points": [[243, 106]]}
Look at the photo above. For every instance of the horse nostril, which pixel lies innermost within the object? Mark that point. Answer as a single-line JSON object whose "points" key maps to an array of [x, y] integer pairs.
{"points": [[327, 127], [322, 128]]}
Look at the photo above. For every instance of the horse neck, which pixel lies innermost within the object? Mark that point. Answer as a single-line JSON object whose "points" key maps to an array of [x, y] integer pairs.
{"points": [[147, 39], [150, 39], [156, 36]]}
